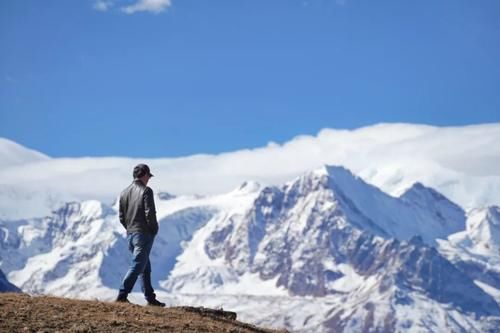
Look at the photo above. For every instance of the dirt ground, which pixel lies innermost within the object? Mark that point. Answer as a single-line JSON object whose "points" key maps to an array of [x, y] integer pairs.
{"points": [[24, 313]]}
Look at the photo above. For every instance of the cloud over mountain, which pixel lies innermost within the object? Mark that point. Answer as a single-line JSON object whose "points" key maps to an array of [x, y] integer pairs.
{"points": [[459, 162]]}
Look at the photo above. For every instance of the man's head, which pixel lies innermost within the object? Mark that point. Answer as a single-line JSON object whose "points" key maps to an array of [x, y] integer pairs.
{"points": [[142, 172]]}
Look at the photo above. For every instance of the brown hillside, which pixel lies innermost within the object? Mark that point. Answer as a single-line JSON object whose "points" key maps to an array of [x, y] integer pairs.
{"points": [[24, 313]]}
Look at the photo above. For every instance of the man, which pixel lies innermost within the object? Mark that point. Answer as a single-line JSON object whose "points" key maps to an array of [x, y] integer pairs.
{"points": [[138, 216]]}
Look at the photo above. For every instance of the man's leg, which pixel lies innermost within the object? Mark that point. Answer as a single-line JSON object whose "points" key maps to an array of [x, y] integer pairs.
{"points": [[147, 288], [140, 246]]}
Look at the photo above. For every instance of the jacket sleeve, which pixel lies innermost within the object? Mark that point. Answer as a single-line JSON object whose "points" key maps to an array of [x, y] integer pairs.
{"points": [[150, 210], [122, 212]]}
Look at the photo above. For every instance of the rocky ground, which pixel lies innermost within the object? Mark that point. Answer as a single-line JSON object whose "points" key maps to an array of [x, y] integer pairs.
{"points": [[24, 313]]}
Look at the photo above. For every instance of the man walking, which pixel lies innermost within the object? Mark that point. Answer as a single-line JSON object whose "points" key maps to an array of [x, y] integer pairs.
{"points": [[138, 216]]}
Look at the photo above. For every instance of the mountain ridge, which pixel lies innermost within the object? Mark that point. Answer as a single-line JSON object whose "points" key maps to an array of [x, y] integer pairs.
{"points": [[6, 286]]}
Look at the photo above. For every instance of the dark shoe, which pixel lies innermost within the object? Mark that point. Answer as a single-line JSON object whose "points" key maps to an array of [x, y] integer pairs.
{"points": [[155, 302], [121, 299]]}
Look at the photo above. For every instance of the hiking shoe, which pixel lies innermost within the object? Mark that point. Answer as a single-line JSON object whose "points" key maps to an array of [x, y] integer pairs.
{"points": [[155, 302], [120, 299]]}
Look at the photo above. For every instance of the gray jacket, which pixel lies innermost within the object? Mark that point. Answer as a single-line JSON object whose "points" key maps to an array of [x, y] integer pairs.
{"points": [[137, 209]]}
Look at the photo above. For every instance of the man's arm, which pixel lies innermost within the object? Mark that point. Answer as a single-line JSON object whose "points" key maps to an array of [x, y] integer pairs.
{"points": [[150, 210], [122, 212]]}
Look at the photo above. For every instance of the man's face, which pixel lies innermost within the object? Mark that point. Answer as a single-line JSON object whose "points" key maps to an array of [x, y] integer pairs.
{"points": [[145, 179]]}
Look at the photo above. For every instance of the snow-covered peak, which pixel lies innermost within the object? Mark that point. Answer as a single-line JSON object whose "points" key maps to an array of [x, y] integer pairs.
{"points": [[343, 179], [93, 208], [337, 173], [419, 191], [319, 172], [87, 210], [335, 177], [483, 229], [247, 187], [12, 154], [416, 187], [476, 250], [423, 211], [326, 178], [437, 204]]}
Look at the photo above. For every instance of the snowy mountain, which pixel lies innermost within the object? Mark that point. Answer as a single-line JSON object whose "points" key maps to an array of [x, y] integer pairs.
{"points": [[13, 154], [324, 252], [476, 250], [300, 226], [84, 242], [330, 235], [16, 199], [49, 255], [5, 285]]}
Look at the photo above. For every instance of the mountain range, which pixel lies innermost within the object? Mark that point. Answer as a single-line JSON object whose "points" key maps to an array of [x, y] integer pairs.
{"points": [[324, 252], [389, 228]]}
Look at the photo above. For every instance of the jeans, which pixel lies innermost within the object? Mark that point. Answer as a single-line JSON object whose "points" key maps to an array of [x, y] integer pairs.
{"points": [[140, 245]]}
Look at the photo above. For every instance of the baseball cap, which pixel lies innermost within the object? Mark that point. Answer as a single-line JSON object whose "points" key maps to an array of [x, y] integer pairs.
{"points": [[141, 170]]}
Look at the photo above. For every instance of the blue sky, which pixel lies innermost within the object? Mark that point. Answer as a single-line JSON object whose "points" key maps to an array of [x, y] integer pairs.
{"points": [[191, 77]]}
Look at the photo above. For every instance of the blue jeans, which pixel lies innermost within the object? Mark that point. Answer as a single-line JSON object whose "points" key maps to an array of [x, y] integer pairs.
{"points": [[140, 245]]}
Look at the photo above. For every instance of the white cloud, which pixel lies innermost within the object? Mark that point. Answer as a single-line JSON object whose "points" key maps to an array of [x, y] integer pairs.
{"points": [[153, 6], [461, 162], [103, 5]]}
